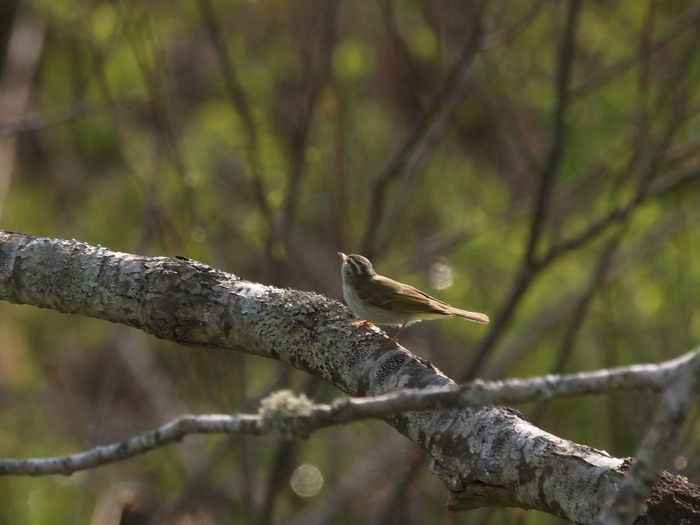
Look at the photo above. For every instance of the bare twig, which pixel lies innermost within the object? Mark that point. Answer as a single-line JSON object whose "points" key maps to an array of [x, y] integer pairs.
{"points": [[565, 61], [684, 21], [169, 433], [414, 148], [658, 447], [239, 99], [507, 34], [317, 78], [288, 416], [24, 48], [531, 265], [647, 187], [578, 315]]}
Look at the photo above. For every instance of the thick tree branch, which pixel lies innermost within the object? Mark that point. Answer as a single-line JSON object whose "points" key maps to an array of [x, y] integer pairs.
{"points": [[485, 456]]}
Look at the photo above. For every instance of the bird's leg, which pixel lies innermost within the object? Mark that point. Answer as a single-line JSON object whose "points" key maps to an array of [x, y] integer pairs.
{"points": [[391, 342]]}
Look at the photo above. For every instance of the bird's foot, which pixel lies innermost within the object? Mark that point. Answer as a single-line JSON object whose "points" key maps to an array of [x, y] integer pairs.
{"points": [[361, 323], [391, 342]]}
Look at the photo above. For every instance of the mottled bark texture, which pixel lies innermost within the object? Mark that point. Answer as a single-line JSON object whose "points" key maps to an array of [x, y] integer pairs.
{"points": [[485, 457]]}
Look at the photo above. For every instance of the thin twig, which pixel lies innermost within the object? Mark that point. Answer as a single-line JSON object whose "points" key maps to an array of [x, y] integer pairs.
{"points": [[319, 73], [298, 417], [531, 265], [239, 99], [658, 447], [684, 21], [448, 97], [169, 433], [573, 328], [565, 61]]}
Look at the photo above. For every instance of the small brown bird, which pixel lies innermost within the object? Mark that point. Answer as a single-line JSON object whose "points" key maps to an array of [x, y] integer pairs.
{"points": [[381, 300]]}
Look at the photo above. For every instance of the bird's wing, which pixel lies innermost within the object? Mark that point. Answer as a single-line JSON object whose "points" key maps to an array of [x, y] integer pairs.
{"points": [[392, 295]]}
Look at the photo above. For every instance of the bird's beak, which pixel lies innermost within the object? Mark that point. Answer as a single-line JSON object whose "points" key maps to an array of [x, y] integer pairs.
{"points": [[342, 256]]}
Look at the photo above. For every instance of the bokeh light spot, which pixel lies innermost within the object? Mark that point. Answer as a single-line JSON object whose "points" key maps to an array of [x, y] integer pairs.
{"points": [[440, 275], [306, 481]]}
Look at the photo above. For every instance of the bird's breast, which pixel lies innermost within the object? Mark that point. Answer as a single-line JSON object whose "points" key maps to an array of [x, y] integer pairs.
{"points": [[371, 313]]}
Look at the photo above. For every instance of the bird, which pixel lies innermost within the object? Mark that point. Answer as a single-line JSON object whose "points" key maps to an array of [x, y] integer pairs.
{"points": [[380, 300]]}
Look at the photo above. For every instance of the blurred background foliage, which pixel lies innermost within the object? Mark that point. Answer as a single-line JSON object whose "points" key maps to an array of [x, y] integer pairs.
{"points": [[537, 161]]}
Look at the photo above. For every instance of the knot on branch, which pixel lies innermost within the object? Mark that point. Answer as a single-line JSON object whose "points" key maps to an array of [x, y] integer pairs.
{"points": [[284, 414]]}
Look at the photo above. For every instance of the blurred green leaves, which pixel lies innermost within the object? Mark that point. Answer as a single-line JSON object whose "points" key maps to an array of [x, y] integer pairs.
{"points": [[254, 136]]}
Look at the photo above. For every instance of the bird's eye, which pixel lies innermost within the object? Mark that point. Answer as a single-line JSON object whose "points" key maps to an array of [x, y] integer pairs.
{"points": [[354, 267]]}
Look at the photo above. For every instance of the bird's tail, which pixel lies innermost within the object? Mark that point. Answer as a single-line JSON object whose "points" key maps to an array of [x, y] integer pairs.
{"points": [[471, 316]]}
